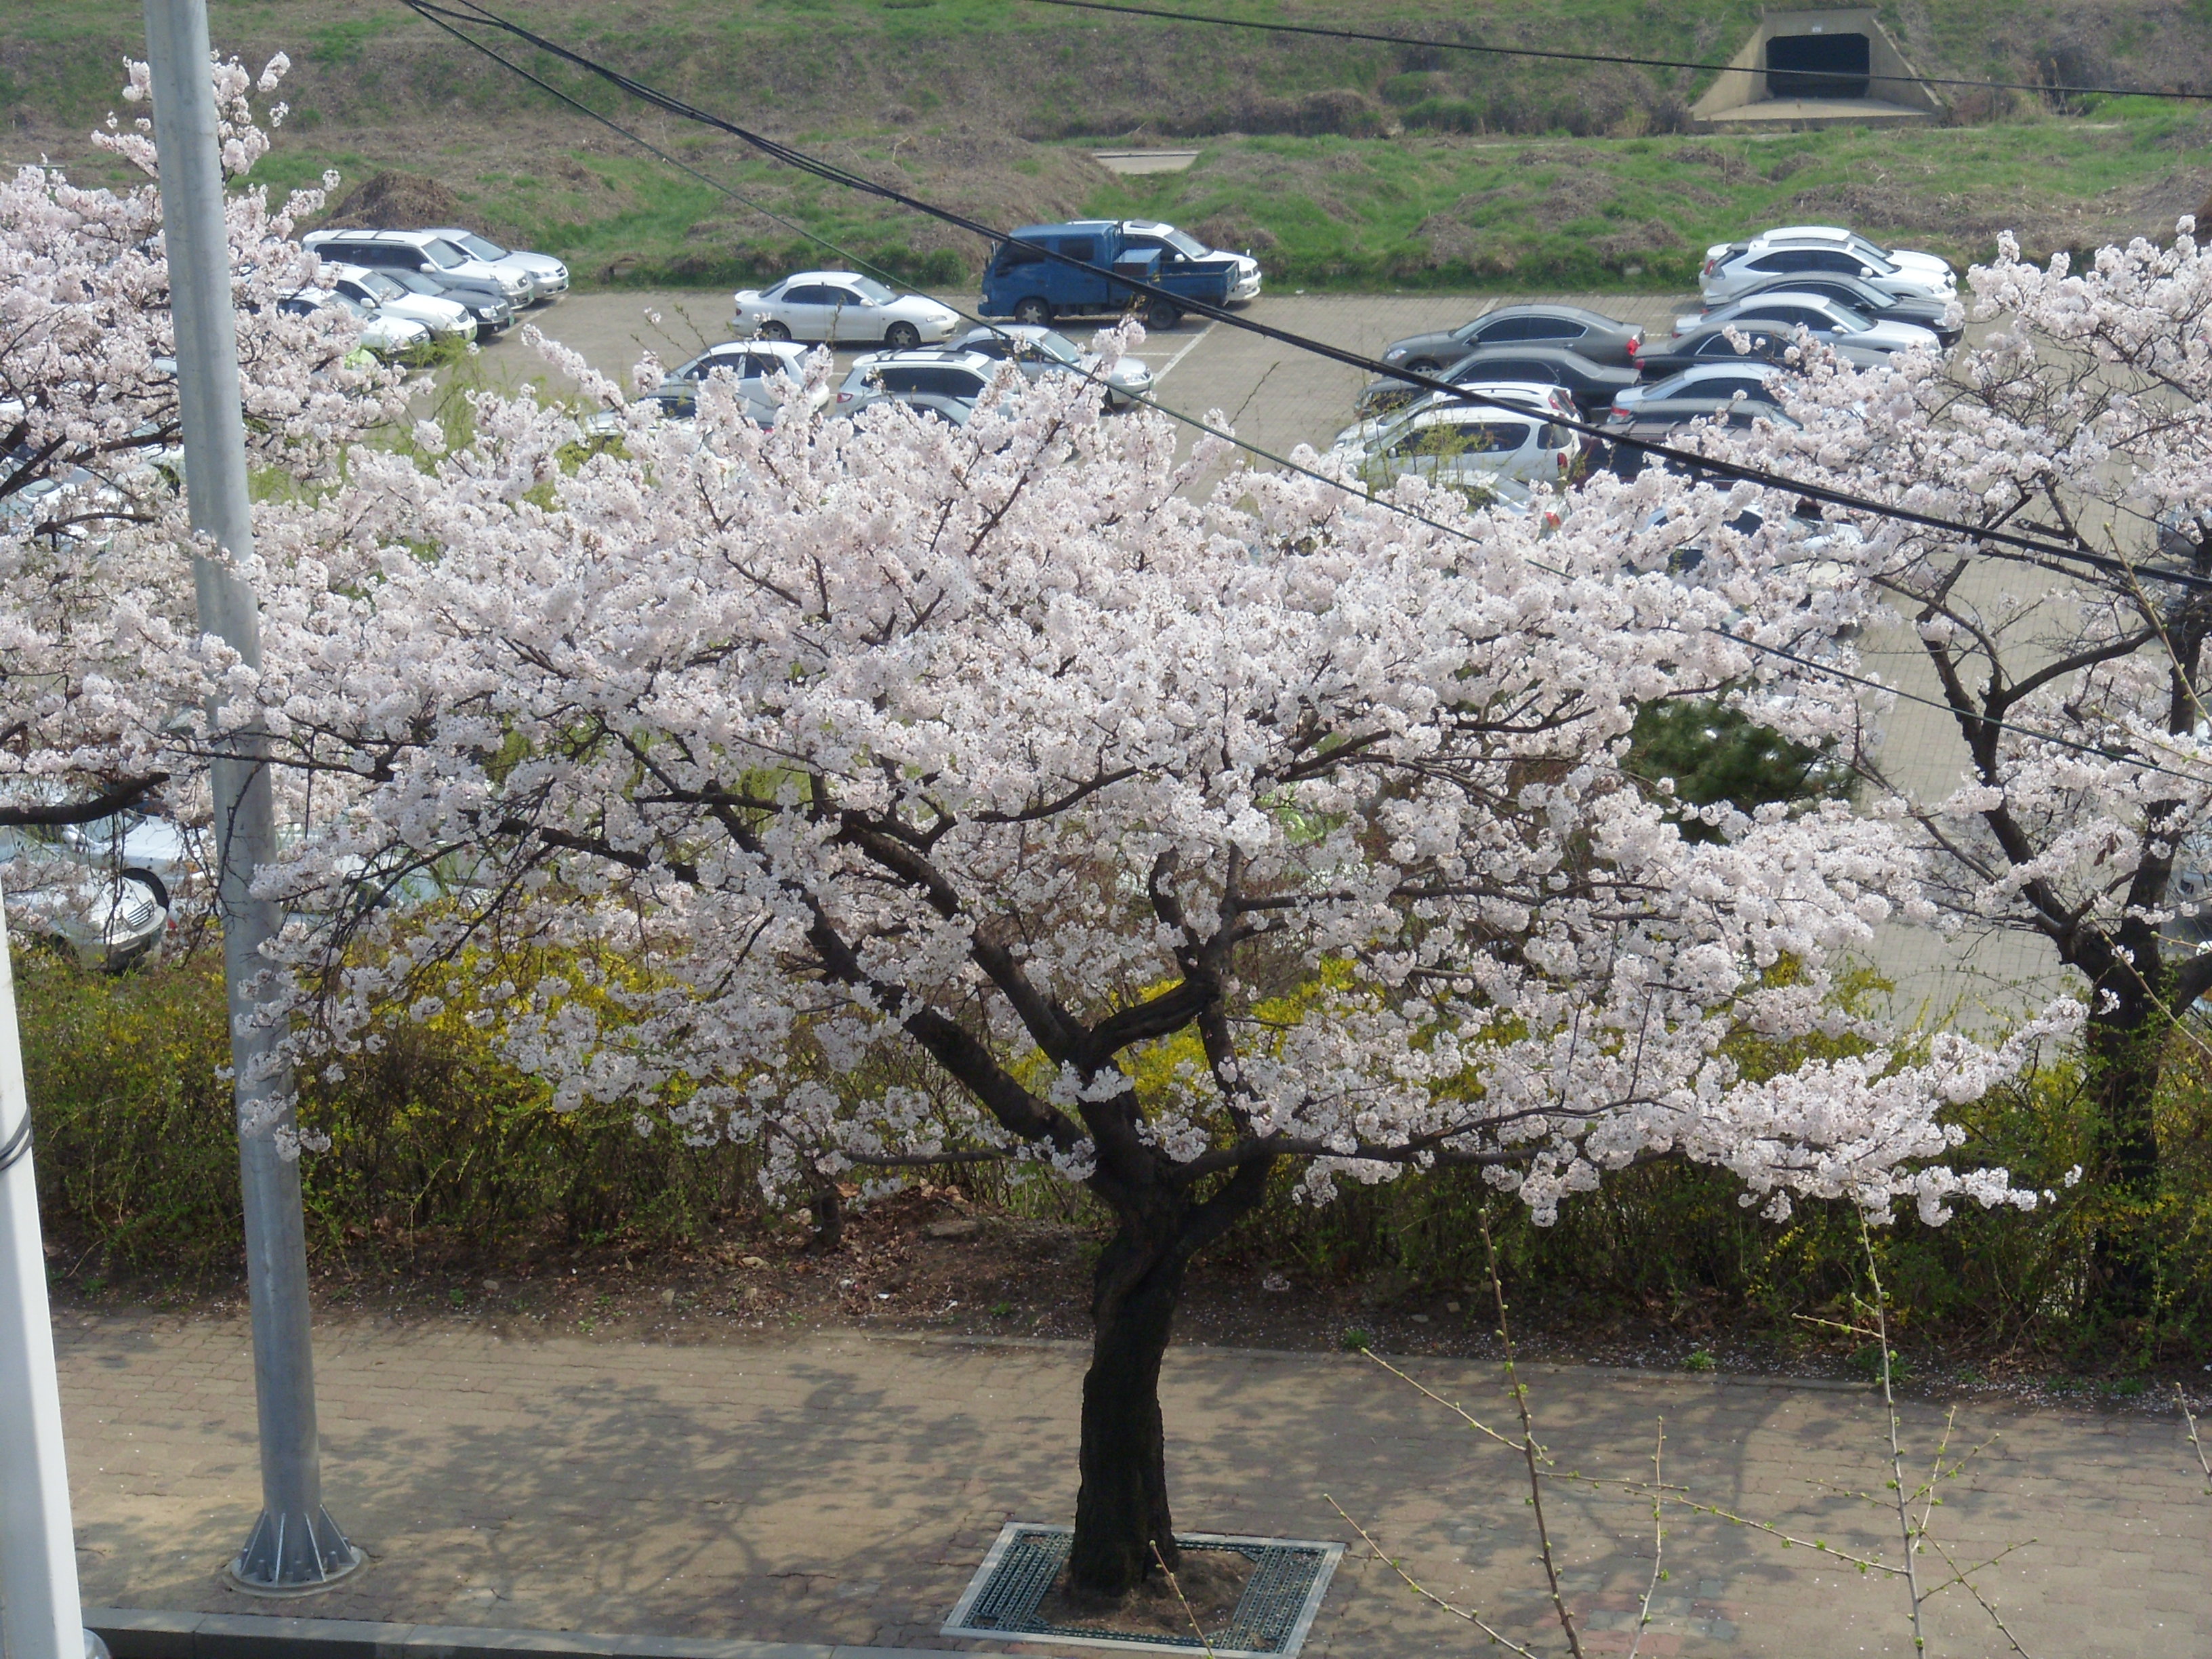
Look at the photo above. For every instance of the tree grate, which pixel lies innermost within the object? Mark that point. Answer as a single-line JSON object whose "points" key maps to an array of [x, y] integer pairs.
{"points": [[1290, 1575]]}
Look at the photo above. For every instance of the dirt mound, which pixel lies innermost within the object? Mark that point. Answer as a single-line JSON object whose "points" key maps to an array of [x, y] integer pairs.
{"points": [[403, 201]]}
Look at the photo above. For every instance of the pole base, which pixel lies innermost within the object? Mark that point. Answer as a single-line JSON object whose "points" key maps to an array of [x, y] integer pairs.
{"points": [[293, 1553]]}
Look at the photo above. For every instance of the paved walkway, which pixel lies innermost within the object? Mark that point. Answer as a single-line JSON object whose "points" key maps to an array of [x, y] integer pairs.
{"points": [[842, 1487]]}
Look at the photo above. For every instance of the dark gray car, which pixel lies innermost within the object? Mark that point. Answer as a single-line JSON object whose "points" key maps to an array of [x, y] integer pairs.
{"points": [[1667, 425], [1769, 342], [1712, 382], [1600, 338], [1592, 385], [1861, 296]]}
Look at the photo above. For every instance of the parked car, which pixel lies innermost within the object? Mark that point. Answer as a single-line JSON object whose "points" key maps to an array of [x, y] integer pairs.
{"points": [[1861, 296], [549, 277], [1825, 320], [104, 890], [754, 364], [1625, 457], [842, 308], [385, 335], [1835, 236], [943, 385], [494, 315], [1592, 385], [1730, 342], [1539, 396], [445, 318], [1040, 352], [1025, 282], [1243, 283], [1468, 447], [1601, 340], [1822, 556], [417, 250], [1716, 383], [1732, 268]]}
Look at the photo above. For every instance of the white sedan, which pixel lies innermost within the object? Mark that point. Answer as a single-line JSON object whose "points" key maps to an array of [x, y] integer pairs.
{"points": [[381, 332], [373, 290], [844, 309]]}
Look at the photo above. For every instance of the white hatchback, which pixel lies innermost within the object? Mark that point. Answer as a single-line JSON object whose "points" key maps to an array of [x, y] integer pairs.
{"points": [[1469, 448], [843, 308]]}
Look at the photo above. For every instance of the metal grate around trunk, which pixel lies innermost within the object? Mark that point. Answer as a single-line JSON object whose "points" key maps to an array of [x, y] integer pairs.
{"points": [[1290, 1575]]}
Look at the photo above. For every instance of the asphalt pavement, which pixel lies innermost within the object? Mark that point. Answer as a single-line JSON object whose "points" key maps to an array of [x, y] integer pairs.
{"points": [[841, 1486]]}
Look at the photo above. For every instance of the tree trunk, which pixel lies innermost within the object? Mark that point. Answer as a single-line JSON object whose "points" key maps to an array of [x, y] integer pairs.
{"points": [[2126, 1049], [828, 1205], [1121, 1511]]}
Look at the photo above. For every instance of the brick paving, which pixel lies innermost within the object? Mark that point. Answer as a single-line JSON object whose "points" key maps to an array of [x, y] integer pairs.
{"points": [[841, 1486]]}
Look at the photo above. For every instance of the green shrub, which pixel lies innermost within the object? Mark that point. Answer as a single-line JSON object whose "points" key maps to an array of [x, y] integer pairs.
{"points": [[437, 1145]]}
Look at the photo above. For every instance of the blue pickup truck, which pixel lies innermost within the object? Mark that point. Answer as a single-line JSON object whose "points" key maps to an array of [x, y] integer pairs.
{"points": [[1023, 282]]}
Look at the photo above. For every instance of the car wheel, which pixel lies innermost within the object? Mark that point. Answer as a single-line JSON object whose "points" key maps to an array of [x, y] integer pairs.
{"points": [[1160, 316], [772, 330], [1425, 366], [1033, 313], [902, 336]]}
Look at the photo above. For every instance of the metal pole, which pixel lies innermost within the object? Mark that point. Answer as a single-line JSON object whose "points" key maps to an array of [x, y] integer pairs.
{"points": [[39, 1615], [294, 1546]]}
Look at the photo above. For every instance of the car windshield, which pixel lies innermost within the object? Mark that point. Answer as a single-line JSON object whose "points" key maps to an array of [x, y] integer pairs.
{"points": [[1188, 244], [1056, 346], [870, 289], [1853, 321], [413, 281], [351, 304], [445, 255], [381, 285], [482, 247]]}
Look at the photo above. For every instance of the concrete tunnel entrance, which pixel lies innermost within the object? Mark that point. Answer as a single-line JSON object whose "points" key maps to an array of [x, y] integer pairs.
{"points": [[1837, 66], [1818, 65]]}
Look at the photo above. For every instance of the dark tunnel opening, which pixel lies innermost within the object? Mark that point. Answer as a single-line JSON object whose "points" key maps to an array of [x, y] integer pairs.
{"points": [[1818, 65]]}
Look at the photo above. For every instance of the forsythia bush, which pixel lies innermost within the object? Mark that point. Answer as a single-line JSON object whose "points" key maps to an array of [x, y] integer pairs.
{"points": [[436, 1141]]}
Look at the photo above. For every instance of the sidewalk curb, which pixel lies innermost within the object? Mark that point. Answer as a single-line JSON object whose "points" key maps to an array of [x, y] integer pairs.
{"points": [[138, 1633]]}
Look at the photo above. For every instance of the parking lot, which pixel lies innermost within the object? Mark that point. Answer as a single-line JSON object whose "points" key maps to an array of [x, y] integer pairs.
{"points": [[1276, 397]]}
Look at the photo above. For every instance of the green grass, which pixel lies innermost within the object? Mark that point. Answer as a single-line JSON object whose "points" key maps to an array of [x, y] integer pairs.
{"points": [[1418, 211], [1451, 198], [1640, 212]]}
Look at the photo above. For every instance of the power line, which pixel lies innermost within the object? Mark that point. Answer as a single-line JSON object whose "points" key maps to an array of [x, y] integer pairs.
{"points": [[2182, 94], [1320, 476], [1994, 542]]}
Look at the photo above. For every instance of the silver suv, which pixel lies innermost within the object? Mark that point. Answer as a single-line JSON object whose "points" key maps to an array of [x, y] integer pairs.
{"points": [[1467, 448], [945, 384], [419, 250], [548, 275]]}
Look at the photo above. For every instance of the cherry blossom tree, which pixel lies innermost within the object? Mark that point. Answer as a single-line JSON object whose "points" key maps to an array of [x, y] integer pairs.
{"points": [[1189, 844], [887, 794], [98, 652], [2083, 417]]}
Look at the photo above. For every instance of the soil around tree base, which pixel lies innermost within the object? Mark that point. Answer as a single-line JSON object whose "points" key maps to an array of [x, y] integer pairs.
{"points": [[1211, 1581]]}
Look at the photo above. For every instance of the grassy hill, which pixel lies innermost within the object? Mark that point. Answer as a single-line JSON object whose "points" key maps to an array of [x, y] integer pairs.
{"points": [[1341, 163]]}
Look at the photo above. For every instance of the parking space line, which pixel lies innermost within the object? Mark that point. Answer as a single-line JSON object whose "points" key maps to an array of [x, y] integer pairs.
{"points": [[1184, 353]]}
